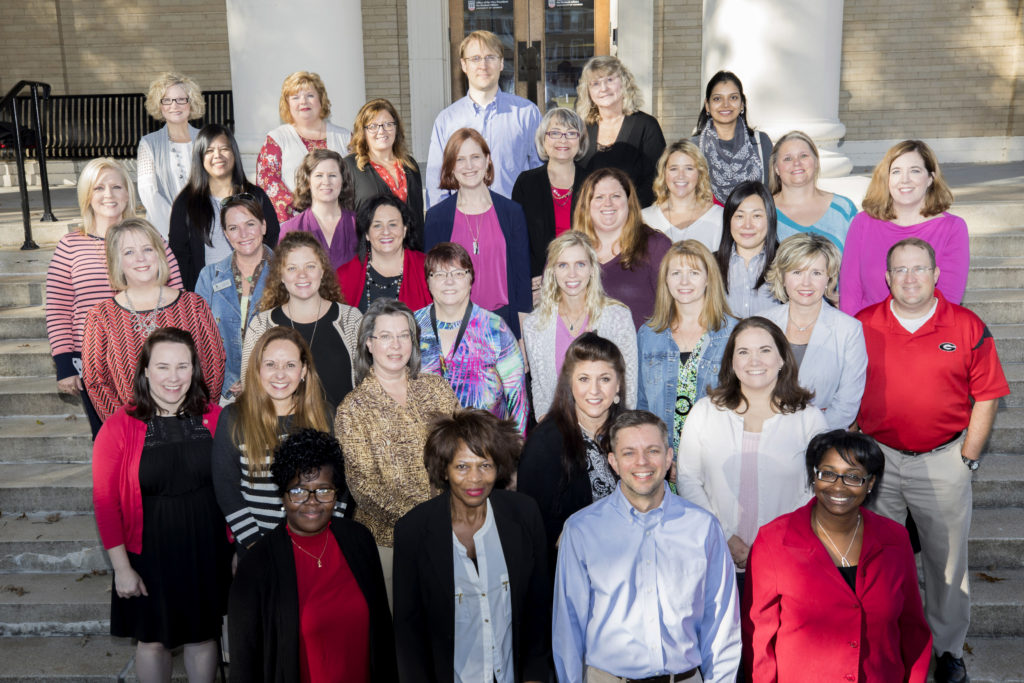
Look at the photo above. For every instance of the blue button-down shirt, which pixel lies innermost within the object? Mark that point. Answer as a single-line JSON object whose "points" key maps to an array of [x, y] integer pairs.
{"points": [[744, 300], [508, 124], [641, 595]]}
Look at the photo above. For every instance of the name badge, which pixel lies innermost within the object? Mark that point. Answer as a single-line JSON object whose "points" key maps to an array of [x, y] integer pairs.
{"points": [[223, 284]]}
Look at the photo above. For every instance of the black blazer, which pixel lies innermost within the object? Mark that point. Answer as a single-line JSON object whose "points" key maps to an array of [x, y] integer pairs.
{"points": [[264, 607], [635, 151], [424, 586], [533, 192], [541, 477], [369, 185], [191, 252]]}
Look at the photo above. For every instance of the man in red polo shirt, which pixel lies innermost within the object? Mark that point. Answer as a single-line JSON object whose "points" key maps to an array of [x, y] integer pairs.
{"points": [[933, 385]]}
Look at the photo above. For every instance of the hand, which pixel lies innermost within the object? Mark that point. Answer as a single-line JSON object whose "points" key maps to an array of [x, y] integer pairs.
{"points": [[128, 584], [70, 385], [236, 388], [739, 551]]}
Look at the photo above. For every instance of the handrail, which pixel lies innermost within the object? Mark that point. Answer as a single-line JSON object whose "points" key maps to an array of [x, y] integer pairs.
{"points": [[9, 100]]}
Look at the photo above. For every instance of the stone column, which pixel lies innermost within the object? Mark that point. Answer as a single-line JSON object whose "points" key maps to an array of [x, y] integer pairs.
{"points": [[788, 55], [269, 39]]}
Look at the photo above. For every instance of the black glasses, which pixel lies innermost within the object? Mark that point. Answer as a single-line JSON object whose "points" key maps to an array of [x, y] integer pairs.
{"points": [[168, 101], [245, 196], [830, 477], [387, 125], [566, 134], [298, 495]]}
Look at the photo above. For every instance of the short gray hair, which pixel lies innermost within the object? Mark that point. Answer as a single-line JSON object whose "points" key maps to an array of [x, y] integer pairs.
{"points": [[566, 117], [363, 359]]}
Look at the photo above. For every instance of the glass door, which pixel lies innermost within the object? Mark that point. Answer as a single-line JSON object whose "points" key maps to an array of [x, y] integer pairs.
{"points": [[546, 43]]}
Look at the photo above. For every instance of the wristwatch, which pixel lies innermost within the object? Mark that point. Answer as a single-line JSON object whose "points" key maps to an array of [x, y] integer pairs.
{"points": [[971, 464]]}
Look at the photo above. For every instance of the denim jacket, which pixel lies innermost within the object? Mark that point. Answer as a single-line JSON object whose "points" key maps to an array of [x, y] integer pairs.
{"points": [[659, 368], [216, 285]]}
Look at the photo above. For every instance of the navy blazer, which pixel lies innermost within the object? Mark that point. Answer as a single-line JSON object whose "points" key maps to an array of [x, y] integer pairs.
{"points": [[424, 586], [532, 191], [369, 185], [438, 228]]}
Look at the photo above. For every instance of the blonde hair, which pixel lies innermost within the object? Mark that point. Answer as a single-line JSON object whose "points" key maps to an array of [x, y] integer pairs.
{"points": [[878, 201], [703, 190], [166, 80], [797, 251], [486, 39], [595, 300], [774, 181], [296, 82], [115, 273], [601, 66], [633, 238], [715, 310], [358, 145], [87, 183]]}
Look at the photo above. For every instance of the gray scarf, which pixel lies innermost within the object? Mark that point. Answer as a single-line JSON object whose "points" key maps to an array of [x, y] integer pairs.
{"points": [[730, 161]]}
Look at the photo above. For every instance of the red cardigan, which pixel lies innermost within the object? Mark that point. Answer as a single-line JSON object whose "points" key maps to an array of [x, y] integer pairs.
{"points": [[116, 492], [801, 621], [413, 292]]}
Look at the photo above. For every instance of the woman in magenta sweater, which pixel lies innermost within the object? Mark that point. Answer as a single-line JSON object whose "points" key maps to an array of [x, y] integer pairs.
{"points": [[907, 197]]}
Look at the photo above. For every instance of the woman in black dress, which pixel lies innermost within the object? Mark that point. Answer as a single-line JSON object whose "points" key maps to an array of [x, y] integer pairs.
{"points": [[157, 514]]}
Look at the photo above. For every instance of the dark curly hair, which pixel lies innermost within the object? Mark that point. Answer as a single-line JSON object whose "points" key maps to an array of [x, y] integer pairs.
{"points": [[303, 454], [485, 435], [364, 219]]}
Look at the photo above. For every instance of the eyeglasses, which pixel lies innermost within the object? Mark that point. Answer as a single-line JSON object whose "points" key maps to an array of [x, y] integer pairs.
{"points": [[607, 80], [168, 101], [298, 495], [386, 125], [830, 477], [916, 270], [245, 196], [490, 60], [387, 338], [563, 134], [443, 275]]}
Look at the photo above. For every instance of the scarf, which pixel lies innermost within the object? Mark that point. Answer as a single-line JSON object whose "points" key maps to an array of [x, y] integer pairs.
{"points": [[728, 165]]}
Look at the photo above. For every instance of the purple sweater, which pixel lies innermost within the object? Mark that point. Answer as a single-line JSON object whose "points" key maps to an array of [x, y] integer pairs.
{"points": [[862, 275], [343, 243], [636, 288]]}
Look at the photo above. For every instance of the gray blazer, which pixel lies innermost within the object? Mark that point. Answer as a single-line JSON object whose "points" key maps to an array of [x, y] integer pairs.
{"points": [[835, 364]]}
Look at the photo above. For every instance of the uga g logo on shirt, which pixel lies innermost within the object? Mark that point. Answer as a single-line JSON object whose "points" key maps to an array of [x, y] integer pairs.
{"points": [[947, 346]]}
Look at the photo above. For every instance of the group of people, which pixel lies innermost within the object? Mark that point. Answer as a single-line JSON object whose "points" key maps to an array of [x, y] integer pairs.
{"points": [[583, 403]]}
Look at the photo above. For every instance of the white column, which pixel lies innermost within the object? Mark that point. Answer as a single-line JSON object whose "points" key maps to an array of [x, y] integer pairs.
{"points": [[788, 56], [269, 39], [430, 88]]}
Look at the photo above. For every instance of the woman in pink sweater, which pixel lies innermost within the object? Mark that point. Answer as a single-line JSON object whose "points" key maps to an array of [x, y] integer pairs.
{"points": [[907, 197]]}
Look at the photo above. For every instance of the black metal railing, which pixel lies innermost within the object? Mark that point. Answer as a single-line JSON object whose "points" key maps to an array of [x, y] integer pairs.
{"points": [[9, 105]]}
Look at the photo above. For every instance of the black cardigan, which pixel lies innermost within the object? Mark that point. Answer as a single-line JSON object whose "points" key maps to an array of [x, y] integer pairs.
{"points": [[369, 185], [541, 477], [263, 607], [191, 252], [424, 582], [533, 192], [636, 151]]}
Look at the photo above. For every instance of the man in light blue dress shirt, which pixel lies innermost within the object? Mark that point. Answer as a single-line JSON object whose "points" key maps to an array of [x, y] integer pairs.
{"points": [[507, 122], [645, 586]]}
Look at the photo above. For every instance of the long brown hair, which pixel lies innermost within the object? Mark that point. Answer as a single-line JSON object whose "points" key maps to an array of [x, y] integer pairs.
{"points": [[358, 145], [256, 428], [787, 396], [878, 200], [633, 240], [276, 294]]}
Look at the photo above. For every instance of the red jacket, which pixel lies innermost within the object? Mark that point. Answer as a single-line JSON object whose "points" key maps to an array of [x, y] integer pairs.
{"points": [[413, 291], [116, 492], [801, 621]]}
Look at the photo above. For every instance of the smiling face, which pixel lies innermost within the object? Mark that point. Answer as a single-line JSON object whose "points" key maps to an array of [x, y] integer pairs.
{"points": [[244, 231], [470, 478], [561, 148], [912, 292], [109, 197], [302, 273], [681, 175], [383, 138], [606, 90], [756, 360], [595, 384], [796, 164], [304, 105], [169, 374], [175, 113], [140, 261], [609, 207], [909, 181], [641, 459], [838, 497], [725, 103], [450, 291], [391, 344], [572, 272], [281, 372], [386, 231], [749, 226], [805, 285], [219, 158], [309, 518], [470, 164], [483, 74], [687, 281], [325, 182]]}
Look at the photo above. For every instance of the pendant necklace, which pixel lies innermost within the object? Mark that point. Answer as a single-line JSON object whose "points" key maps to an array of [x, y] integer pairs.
{"points": [[475, 235], [291, 321], [842, 556], [319, 563], [144, 323], [805, 327]]}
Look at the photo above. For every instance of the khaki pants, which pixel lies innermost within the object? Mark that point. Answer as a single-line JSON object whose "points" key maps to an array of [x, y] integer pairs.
{"points": [[936, 488], [598, 676]]}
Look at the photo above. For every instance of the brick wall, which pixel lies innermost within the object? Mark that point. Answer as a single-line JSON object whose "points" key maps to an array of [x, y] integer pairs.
{"points": [[678, 91], [386, 61], [113, 47]]}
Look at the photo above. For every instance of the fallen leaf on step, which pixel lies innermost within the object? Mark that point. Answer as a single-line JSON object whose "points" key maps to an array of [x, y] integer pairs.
{"points": [[17, 590], [23, 346], [21, 516], [40, 422], [52, 517], [989, 578], [968, 649], [70, 418]]}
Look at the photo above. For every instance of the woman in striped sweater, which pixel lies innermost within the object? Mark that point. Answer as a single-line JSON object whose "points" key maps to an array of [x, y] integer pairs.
{"points": [[77, 277]]}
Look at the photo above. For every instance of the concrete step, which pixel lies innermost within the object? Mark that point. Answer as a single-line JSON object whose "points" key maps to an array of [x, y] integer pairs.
{"points": [[996, 305], [990, 272], [1009, 341], [1007, 433], [36, 396], [14, 261], [22, 290], [23, 322], [45, 488], [995, 660], [38, 439], [12, 234], [997, 539], [1015, 376], [74, 659], [24, 357], [55, 604], [47, 543], [1000, 242], [999, 482], [997, 602]]}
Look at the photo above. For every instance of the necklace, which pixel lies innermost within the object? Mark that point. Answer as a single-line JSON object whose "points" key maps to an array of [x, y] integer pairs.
{"points": [[145, 323], [444, 325], [805, 327], [316, 322], [319, 563], [842, 556], [390, 287], [572, 325], [561, 198], [475, 235]]}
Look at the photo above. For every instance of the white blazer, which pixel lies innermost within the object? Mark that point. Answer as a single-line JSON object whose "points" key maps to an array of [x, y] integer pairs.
{"points": [[835, 364]]}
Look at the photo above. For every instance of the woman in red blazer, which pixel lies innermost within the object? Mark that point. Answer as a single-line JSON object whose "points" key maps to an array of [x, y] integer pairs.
{"points": [[386, 265], [831, 589]]}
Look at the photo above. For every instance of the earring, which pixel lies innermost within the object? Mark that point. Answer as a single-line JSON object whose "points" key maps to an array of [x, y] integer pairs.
{"points": [[616, 400]]}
